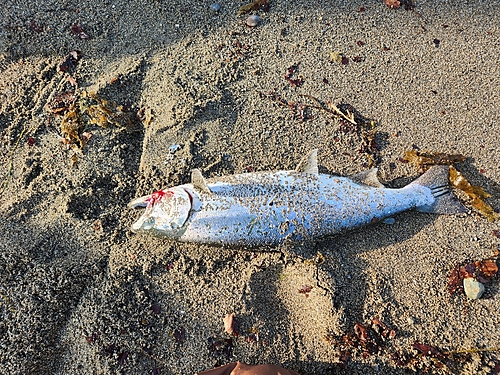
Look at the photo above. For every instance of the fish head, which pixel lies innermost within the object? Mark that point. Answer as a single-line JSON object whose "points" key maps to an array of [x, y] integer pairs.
{"points": [[166, 214]]}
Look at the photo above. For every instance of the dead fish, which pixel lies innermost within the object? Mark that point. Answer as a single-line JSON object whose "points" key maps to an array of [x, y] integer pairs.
{"points": [[269, 208]]}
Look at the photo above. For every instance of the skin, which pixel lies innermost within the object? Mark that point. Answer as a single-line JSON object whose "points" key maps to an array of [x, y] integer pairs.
{"points": [[239, 368]]}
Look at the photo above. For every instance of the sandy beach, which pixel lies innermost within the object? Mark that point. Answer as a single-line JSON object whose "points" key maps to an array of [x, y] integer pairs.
{"points": [[187, 86]]}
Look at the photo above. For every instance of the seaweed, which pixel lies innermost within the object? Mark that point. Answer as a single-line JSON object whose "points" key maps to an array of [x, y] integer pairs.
{"points": [[80, 110], [424, 160], [254, 5], [375, 339], [481, 270], [350, 120], [476, 194]]}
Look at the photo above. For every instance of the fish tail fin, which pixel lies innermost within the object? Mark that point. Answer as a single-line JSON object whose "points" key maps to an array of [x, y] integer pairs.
{"points": [[437, 180]]}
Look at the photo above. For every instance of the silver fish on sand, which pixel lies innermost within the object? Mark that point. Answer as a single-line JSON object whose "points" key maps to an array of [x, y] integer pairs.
{"points": [[269, 208]]}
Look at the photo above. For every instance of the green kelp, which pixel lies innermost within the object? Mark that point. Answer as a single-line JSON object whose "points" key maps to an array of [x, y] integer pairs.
{"points": [[83, 109], [254, 5], [425, 160], [475, 193]]}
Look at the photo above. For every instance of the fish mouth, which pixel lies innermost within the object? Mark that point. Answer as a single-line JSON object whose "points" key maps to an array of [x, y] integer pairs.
{"points": [[166, 212]]}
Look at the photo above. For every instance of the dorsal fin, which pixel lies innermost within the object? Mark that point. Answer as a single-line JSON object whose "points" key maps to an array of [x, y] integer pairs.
{"points": [[309, 164], [198, 181], [368, 177]]}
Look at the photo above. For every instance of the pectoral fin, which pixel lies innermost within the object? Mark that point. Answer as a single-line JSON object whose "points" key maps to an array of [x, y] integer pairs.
{"points": [[309, 164], [198, 181]]}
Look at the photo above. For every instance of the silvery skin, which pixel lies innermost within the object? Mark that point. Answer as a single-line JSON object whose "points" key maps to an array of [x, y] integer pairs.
{"points": [[269, 208]]}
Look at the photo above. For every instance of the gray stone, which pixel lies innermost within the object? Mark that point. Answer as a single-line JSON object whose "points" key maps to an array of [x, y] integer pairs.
{"points": [[253, 21], [473, 288]]}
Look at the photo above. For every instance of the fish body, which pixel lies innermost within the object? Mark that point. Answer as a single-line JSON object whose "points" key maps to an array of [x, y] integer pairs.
{"points": [[269, 208]]}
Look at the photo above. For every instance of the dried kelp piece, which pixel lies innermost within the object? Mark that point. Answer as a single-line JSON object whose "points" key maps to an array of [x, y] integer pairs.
{"points": [[103, 113], [424, 160], [145, 115], [382, 329], [439, 359], [361, 331], [365, 341], [427, 350], [475, 193], [305, 289], [336, 57], [455, 280], [62, 102], [70, 60], [482, 270], [295, 82], [76, 29], [488, 267], [254, 5], [72, 126], [80, 110]]}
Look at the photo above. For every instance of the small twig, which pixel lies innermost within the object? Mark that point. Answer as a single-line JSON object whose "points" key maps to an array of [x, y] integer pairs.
{"points": [[332, 109]]}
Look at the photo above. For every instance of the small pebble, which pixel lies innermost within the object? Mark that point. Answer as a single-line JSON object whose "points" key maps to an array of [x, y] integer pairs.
{"points": [[215, 7], [174, 148], [389, 220], [473, 288], [253, 21]]}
